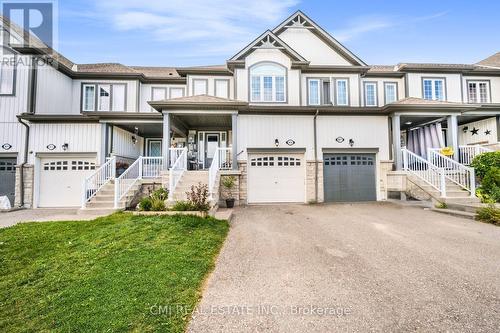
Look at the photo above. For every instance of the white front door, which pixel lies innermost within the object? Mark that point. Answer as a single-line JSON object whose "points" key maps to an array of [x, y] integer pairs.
{"points": [[276, 177], [212, 143], [61, 180]]}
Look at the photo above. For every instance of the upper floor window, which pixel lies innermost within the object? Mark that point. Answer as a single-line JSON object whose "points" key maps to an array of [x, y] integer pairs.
{"points": [[478, 91], [222, 88], [390, 92], [370, 93], [200, 87], [267, 83], [103, 97], [7, 74], [176, 92], [433, 89], [341, 92], [319, 92], [158, 93]]}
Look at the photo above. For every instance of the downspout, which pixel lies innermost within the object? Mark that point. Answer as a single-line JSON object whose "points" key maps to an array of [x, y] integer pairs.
{"points": [[25, 161], [316, 171]]}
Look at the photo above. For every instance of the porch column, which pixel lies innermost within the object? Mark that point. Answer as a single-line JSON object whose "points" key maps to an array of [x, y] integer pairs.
{"points": [[166, 140], [452, 134], [396, 141], [104, 144], [234, 129]]}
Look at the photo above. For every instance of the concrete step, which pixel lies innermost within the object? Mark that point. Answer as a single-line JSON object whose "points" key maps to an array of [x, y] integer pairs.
{"points": [[463, 200], [457, 213], [464, 206], [96, 211]]}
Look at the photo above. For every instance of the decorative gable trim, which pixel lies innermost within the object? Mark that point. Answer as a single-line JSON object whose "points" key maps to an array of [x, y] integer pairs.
{"points": [[268, 40], [302, 21]]}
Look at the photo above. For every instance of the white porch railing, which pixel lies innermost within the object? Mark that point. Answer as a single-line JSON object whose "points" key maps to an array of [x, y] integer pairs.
{"points": [[467, 153], [179, 166], [213, 171], [93, 183], [225, 158], [454, 171], [424, 170], [127, 179], [152, 167]]}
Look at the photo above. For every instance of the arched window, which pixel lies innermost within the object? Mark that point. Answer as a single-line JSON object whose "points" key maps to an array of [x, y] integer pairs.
{"points": [[267, 83]]}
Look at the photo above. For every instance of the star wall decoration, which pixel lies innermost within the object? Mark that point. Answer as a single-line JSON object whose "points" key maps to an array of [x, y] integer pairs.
{"points": [[487, 132], [475, 131]]}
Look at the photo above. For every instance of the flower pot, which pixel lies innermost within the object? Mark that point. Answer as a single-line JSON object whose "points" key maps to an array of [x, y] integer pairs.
{"points": [[229, 203]]}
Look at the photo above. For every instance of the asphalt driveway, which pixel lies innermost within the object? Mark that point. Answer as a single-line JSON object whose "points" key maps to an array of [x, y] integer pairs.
{"points": [[353, 267]]}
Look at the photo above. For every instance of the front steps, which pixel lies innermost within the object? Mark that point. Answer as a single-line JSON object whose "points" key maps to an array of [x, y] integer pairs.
{"points": [[193, 178]]}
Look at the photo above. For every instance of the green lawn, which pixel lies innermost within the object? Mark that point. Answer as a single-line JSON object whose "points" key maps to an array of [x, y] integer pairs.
{"points": [[105, 275]]}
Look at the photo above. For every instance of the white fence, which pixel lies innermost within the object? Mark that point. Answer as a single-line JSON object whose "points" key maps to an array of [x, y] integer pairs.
{"points": [[127, 179], [467, 153], [179, 166], [454, 171], [152, 167], [93, 183]]}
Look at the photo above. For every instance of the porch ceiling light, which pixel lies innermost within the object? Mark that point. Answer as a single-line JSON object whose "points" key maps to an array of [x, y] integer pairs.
{"points": [[408, 123], [276, 142]]}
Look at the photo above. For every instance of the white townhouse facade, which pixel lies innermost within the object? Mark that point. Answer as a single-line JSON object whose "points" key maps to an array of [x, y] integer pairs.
{"points": [[295, 116]]}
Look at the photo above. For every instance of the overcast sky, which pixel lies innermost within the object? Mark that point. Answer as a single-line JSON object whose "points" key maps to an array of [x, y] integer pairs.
{"points": [[198, 32]]}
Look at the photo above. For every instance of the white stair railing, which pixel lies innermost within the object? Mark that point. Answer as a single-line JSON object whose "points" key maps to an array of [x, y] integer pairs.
{"points": [[454, 171], [425, 171], [102, 176], [467, 153], [179, 166], [225, 158], [152, 167], [213, 171], [127, 179]]}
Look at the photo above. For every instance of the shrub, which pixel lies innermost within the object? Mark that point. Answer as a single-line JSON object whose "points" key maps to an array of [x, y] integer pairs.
{"points": [[489, 191], [198, 197], [482, 163], [229, 182], [183, 206], [158, 205], [160, 194], [441, 205], [490, 214], [145, 204]]}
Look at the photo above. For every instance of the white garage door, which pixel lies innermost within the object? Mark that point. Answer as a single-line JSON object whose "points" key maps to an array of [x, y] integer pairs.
{"points": [[276, 178], [61, 180]]}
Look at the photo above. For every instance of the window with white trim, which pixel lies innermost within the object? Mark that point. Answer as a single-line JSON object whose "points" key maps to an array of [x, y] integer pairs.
{"points": [[341, 92], [104, 97], [268, 83], [370, 93], [433, 89], [7, 74], [478, 91], [200, 87], [176, 92], [319, 92], [158, 93], [390, 92], [222, 88]]}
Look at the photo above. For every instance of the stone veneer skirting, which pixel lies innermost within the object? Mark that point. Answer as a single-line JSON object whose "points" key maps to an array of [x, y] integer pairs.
{"points": [[28, 186]]}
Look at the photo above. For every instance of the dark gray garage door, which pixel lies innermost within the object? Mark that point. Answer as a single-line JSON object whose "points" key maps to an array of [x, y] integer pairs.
{"points": [[349, 177], [8, 178]]}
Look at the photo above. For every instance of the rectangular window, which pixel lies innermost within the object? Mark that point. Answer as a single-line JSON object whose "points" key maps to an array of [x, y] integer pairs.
{"points": [[268, 88], [478, 91], [325, 97], [341, 92], [222, 88], [370, 94], [255, 89], [118, 97], [103, 97], [158, 93], [280, 88], [433, 89], [176, 92], [314, 92], [390, 92], [88, 97], [7, 74], [200, 87]]}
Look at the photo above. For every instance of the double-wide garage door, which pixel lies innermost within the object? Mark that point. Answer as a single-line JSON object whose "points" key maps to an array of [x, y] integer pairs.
{"points": [[276, 177], [8, 178], [349, 177], [61, 180]]}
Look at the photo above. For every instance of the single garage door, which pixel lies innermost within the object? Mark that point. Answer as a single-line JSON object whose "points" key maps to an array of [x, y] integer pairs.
{"points": [[8, 178], [349, 177], [61, 180], [276, 178]]}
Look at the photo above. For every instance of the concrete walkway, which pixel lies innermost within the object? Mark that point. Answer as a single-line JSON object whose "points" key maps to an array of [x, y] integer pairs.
{"points": [[42, 215], [353, 267]]}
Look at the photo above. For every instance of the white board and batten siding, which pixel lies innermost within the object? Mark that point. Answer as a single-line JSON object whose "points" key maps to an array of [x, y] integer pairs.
{"points": [[211, 81], [147, 94], [466, 138], [123, 145], [54, 92]]}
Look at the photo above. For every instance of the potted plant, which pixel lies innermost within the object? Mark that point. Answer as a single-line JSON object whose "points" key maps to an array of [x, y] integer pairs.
{"points": [[121, 167], [229, 183]]}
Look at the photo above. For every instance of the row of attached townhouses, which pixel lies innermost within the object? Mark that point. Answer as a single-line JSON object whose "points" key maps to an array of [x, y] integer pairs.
{"points": [[295, 116]]}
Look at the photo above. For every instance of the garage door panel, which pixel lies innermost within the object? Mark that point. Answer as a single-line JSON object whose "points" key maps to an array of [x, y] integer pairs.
{"points": [[8, 178], [276, 178], [61, 180], [349, 177]]}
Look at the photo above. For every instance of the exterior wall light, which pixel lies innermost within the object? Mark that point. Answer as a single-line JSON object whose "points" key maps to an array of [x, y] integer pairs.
{"points": [[65, 146], [351, 142], [134, 139], [276, 142]]}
